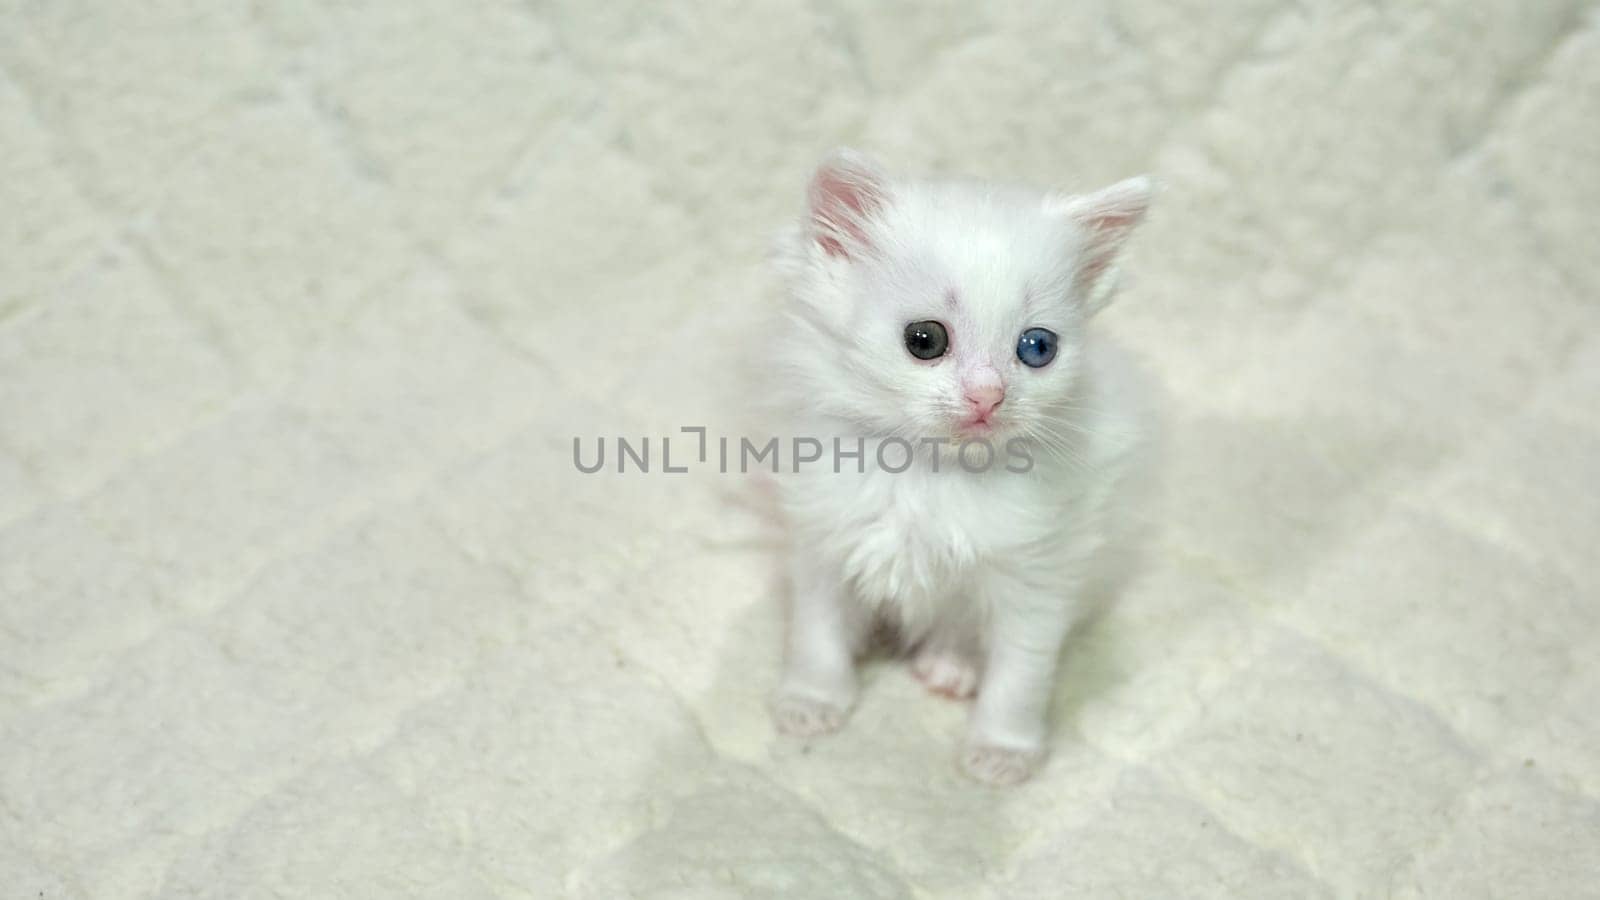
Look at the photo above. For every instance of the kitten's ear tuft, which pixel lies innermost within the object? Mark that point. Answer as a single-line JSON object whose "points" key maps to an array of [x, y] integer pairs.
{"points": [[847, 189], [1106, 218]]}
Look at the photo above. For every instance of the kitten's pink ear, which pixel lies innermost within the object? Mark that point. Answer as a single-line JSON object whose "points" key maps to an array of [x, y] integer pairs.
{"points": [[1106, 218], [846, 191]]}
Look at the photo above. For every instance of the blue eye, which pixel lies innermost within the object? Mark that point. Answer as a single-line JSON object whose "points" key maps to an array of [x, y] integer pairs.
{"points": [[1037, 347]]}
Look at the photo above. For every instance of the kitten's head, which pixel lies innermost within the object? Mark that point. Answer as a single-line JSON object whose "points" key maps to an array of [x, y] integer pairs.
{"points": [[948, 309]]}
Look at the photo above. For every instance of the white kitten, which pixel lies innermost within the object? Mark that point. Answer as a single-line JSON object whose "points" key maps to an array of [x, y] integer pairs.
{"points": [[928, 313]]}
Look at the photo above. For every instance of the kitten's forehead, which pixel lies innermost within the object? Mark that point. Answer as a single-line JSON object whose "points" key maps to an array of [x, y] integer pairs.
{"points": [[994, 248]]}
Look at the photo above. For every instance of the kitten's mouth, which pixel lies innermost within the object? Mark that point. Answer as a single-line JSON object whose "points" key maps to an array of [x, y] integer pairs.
{"points": [[976, 427]]}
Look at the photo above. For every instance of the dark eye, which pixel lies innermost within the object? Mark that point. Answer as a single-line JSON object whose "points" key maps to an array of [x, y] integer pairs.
{"points": [[927, 340], [1037, 347]]}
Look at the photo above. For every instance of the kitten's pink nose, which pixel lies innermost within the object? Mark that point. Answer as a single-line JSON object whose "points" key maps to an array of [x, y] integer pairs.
{"points": [[984, 392]]}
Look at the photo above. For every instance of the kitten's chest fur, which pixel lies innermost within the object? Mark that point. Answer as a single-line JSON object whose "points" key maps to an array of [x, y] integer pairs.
{"points": [[912, 546]]}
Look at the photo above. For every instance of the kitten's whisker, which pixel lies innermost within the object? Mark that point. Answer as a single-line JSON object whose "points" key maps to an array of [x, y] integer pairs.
{"points": [[1060, 446]]}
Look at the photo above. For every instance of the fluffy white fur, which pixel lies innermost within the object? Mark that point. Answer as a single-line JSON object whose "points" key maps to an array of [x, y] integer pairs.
{"points": [[979, 576]]}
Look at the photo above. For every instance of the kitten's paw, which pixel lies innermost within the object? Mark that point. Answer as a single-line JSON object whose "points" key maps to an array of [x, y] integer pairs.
{"points": [[1000, 766], [802, 716], [947, 673]]}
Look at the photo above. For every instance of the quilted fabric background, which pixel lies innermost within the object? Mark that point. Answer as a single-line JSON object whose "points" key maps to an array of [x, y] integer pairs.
{"points": [[301, 306]]}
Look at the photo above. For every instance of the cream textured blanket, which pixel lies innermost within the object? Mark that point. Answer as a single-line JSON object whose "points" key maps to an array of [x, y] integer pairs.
{"points": [[302, 306]]}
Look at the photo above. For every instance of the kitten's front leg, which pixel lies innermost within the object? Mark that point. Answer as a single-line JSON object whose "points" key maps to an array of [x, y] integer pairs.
{"points": [[1005, 736], [825, 630]]}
